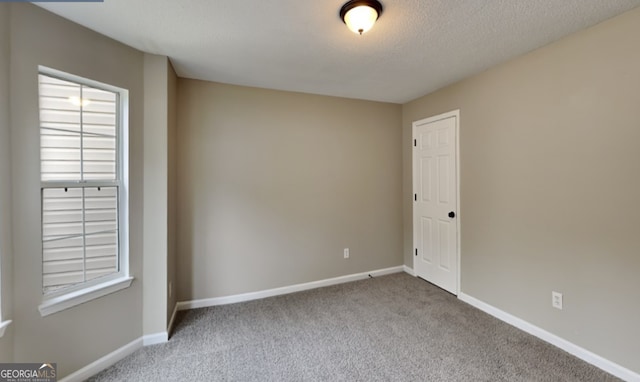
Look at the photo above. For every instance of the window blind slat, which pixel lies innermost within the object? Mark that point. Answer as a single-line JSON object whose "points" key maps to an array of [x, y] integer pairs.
{"points": [[59, 116], [48, 90], [54, 104], [63, 266], [51, 154], [60, 140], [52, 282], [63, 216], [101, 263], [71, 242], [92, 118], [56, 254], [96, 273], [95, 142], [94, 94], [101, 250], [101, 239], [53, 230]]}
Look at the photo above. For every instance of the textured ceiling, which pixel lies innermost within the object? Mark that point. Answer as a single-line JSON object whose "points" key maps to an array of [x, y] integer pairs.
{"points": [[416, 47]]}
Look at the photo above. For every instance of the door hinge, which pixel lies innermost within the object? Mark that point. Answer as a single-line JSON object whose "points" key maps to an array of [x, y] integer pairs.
{"points": [[415, 197], [416, 251], [415, 143]]}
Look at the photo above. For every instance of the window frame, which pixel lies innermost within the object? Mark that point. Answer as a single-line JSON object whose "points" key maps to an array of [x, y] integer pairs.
{"points": [[79, 293]]}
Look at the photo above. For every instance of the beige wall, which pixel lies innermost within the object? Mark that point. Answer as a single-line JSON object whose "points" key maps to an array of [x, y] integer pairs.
{"points": [[273, 185], [6, 342], [155, 193], [550, 158], [159, 192], [78, 336], [172, 188]]}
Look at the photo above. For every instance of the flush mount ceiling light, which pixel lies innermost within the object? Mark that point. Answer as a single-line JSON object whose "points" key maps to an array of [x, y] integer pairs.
{"points": [[360, 15]]}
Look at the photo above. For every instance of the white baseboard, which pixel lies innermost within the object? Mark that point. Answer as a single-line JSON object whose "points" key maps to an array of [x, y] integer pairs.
{"points": [[582, 353], [115, 356], [172, 320], [97, 366], [162, 337], [409, 270], [202, 303], [156, 338], [3, 327]]}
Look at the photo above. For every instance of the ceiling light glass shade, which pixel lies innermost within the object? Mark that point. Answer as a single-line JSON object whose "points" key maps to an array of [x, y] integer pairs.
{"points": [[360, 15], [361, 19]]}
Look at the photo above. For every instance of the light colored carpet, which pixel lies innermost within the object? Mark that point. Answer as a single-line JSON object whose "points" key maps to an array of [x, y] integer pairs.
{"points": [[391, 328]]}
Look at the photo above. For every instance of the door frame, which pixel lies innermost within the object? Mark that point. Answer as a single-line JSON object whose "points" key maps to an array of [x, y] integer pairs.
{"points": [[456, 114]]}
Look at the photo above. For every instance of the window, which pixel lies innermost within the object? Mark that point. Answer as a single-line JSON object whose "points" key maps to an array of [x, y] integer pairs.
{"points": [[83, 188]]}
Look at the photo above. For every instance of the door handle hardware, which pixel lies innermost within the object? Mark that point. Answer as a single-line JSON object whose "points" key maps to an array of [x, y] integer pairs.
{"points": [[452, 214]]}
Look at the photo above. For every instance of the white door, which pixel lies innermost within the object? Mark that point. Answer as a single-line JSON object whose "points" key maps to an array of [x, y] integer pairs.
{"points": [[435, 188]]}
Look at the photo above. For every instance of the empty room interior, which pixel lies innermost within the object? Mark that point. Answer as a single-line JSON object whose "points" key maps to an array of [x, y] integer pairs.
{"points": [[266, 190]]}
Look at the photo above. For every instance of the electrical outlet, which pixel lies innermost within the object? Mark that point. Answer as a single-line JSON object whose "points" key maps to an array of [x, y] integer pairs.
{"points": [[556, 300], [346, 253]]}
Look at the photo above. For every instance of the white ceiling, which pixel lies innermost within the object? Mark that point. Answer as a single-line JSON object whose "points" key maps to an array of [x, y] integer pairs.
{"points": [[416, 47]]}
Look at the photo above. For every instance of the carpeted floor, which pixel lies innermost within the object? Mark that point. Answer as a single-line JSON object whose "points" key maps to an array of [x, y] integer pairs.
{"points": [[391, 328]]}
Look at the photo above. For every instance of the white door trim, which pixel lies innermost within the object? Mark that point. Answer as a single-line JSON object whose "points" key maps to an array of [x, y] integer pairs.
{"points": [[456, 114]]}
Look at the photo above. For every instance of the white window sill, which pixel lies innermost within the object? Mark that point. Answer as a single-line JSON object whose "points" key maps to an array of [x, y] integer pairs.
{"points": [[3, 327], [66, 301]]}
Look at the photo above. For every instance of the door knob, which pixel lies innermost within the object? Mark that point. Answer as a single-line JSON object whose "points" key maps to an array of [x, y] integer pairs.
{"points": [[452, 214]]}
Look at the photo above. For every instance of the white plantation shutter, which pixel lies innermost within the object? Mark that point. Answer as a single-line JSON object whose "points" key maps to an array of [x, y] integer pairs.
{"points": [[77, 131], [80, 182]]}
